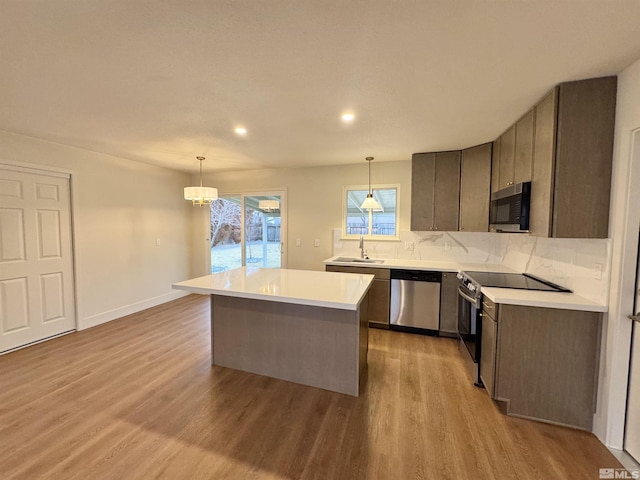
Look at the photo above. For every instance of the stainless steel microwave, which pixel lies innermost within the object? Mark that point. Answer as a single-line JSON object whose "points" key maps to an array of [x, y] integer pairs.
{"points": [[509, 210]]}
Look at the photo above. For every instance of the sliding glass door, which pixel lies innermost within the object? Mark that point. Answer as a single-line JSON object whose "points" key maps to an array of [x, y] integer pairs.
{"points": [[248, 230]]}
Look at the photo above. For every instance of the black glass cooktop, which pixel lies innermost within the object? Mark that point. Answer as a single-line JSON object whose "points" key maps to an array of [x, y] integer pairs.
{"points": [[514, 280]]}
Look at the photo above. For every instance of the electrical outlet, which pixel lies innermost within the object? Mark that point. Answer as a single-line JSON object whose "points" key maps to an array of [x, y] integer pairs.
{"points": [[157, 242], [597, 271], [298, 242], [409, 246], [316, 242], [447, 245]]}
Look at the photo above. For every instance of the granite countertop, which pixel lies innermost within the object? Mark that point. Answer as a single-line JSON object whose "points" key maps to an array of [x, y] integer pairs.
{"points": [[566, 301], [303, 287]]}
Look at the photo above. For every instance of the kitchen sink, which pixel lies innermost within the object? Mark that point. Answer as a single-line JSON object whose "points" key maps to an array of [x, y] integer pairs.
{"points": [[356, 260]]}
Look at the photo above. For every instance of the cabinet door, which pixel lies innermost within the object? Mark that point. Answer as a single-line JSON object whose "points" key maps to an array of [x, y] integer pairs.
{"points": [[495, 166], [447, 191], [582, 188], [543, 165], [449, 305], [475, 180], [524, 148], [489, 350], [547, 363], [423, 174], [379, 299], [379, 293], [507, 157]]}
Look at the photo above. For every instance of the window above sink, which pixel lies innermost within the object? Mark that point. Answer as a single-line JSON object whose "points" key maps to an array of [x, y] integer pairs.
{"points": [[357, 222]]}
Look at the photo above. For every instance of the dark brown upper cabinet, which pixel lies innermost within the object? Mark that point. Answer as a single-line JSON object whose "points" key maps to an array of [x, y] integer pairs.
{"points": [[573, 151], [475, 180], [435, 191], [513, 162]]}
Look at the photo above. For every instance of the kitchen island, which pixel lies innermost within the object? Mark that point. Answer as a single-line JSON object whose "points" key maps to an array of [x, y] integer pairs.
{"points": [[302, 326]]}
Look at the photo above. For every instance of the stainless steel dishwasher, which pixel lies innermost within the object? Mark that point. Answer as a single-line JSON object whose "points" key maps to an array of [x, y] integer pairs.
{"points": [[415, 301]]}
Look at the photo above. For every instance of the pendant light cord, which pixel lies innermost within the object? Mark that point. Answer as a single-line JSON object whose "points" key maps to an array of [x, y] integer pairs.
{"points": [[201, 160]]}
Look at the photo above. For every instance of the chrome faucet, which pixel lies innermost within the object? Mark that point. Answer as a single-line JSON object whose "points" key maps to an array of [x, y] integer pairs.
{"points": [[363, 252]]}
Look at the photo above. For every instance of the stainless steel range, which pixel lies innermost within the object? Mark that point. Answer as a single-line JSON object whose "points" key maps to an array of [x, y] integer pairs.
{"points": [[470, 306]]}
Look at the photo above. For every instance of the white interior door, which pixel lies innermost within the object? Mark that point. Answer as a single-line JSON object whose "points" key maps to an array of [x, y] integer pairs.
{"points": [[36, 263], [632, 427]]}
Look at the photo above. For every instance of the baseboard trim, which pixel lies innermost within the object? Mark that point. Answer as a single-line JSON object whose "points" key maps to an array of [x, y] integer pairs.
{"points": [[625, 459], [104, 317]]}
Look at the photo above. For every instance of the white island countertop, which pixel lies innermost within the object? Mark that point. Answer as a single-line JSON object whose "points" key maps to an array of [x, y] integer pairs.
{"points": [[303, 287]]}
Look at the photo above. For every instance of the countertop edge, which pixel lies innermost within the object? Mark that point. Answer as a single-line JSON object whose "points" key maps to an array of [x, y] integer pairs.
{"points": [[425, 265], [507, 296], [562, 301], [277, 298]]}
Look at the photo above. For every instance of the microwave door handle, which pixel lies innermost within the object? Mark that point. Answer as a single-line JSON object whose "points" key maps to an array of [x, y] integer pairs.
{"points": [[467, 297]]}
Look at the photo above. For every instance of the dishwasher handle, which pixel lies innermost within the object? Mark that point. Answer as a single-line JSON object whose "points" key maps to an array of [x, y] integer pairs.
{"points": [[416, 275]]}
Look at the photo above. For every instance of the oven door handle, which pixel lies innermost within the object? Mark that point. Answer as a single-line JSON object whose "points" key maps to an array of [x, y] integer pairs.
{"points": [[468, 298]]}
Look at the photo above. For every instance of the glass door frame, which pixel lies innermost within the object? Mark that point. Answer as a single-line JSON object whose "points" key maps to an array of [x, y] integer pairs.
{"points": [[282, 193]]}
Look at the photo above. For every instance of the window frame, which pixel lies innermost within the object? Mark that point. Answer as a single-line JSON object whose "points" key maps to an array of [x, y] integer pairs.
{"points": [[370, 235]]}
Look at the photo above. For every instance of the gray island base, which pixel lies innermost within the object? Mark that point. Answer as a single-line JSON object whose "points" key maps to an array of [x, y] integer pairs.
{"points": [[302, 326], [316, 346]]}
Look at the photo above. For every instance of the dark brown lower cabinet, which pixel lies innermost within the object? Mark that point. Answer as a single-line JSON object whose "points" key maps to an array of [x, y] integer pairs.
{"points": [[449, 305], [379, 293], [542, 363], [488, 358]]}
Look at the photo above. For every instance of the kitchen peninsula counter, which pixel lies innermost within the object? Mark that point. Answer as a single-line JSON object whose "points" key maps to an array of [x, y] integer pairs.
{"points": [[303, 326], [510, 296]]}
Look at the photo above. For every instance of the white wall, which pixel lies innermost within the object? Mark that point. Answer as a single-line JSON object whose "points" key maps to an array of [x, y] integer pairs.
{"points": [[623, 230], [120, 208], [314, 202]]}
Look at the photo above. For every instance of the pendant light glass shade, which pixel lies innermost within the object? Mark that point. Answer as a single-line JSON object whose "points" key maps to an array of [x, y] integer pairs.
{"points": [[370, 203], [200, 195], [268, 205]]}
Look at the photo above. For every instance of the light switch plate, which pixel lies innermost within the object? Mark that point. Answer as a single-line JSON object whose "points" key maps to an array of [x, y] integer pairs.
{"points": [[316, 242]]}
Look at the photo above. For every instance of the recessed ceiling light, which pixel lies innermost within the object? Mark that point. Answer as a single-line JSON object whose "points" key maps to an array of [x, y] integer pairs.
{"points": [[240, 131], [348, 117]]}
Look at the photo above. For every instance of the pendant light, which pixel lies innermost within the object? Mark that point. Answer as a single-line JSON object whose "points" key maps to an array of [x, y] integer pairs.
{"points": [[370, 203], [200, 195], [268, 205]]}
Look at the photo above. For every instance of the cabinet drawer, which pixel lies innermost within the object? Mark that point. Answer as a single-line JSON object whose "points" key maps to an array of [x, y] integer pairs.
{"points": [[489, 308], [380, 273]]}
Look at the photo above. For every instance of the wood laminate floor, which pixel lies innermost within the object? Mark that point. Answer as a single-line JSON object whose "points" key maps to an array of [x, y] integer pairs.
{"points": [[137, 398]]}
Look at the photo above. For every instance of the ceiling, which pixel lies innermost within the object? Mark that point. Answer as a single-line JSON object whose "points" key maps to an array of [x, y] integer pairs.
{"points": [[163, 81]]}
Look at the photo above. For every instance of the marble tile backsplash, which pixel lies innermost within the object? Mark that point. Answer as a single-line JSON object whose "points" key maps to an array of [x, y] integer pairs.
{"points": [[583, 265]]}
